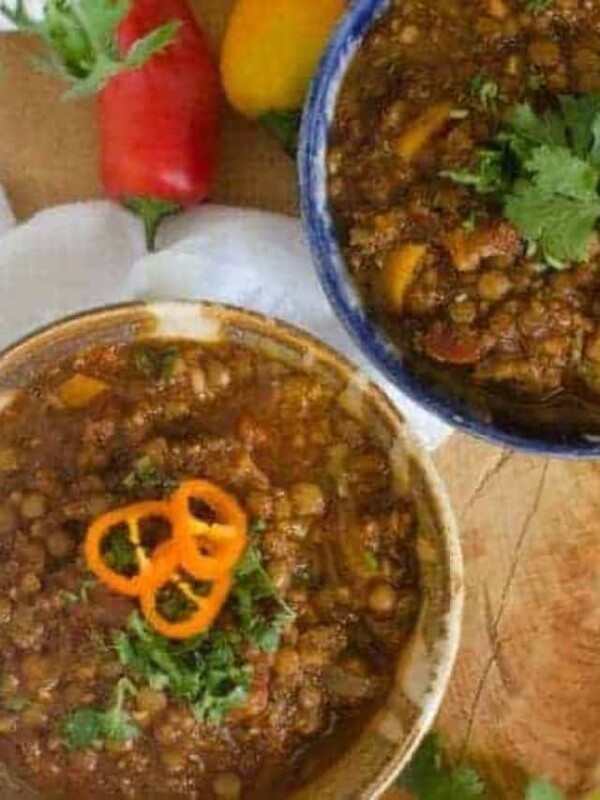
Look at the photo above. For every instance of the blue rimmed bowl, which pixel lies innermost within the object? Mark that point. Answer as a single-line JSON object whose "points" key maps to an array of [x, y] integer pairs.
{"points": [[334, 274]]}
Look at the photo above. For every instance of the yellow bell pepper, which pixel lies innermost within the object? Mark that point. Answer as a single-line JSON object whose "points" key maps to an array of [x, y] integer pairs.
{"points": [[271, 51]]}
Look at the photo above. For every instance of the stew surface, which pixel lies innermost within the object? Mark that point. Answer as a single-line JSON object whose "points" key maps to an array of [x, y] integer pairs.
{"points": [[459, 131], [94, 702]]}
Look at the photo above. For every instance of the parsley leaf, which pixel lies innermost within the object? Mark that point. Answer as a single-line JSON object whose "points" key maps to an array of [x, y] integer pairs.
{"points": [[87, 726], [428, 778]]}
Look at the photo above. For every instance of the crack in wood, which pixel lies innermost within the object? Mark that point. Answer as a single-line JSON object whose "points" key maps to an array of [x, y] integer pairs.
{"points": [[493, 623], [503, 458]]}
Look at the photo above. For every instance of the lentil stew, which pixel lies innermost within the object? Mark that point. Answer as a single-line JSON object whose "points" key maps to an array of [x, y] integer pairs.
{"points": [[463, 178], [95, 702]]}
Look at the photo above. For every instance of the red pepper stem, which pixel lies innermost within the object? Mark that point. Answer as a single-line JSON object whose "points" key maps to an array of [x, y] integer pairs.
{"points": [[152, 211]]}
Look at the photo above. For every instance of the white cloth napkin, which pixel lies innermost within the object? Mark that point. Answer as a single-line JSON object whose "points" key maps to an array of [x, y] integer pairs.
{"points": [[79, 256]]}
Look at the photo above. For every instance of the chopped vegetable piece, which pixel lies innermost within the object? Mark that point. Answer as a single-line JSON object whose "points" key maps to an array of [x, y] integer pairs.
{"points": [[80, 390], [413, 140], [400, 268], [536, 6]]}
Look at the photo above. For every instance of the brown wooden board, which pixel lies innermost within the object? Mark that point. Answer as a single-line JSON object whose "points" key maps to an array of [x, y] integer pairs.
{"points": [[525, 696]]}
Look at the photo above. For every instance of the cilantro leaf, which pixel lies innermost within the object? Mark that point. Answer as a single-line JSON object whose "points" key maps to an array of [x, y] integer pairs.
{"points": [[254, 597], [561, 225], [535, 6], [542, 790], [582, 117], [156, 363], [484, 89], [544, 170], [208, 671], [487, 177], [87, 726], [428, 778], [556, 170], [146, 476]]}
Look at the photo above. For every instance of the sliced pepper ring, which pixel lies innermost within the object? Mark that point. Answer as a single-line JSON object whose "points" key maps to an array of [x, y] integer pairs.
{"points": [[152, 570], [208, 551], [208, 606]]}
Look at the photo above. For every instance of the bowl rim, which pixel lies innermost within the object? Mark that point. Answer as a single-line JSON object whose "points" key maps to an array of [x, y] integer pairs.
{"points": [[449, 642], [329, 262]]}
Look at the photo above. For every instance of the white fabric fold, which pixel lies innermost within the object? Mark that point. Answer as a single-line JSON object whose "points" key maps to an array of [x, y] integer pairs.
{"points": [[85, 255]]}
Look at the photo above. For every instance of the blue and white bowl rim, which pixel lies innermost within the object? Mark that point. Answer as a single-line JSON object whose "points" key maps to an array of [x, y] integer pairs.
{"points": [[329, 262]]}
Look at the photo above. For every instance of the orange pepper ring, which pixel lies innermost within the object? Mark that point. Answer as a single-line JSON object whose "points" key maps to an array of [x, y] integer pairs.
{"points": [[151, 570], [229, 534], [209, 606]]}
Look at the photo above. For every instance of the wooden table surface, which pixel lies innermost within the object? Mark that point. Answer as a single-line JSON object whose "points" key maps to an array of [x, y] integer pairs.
{"points": [[525, 696]]}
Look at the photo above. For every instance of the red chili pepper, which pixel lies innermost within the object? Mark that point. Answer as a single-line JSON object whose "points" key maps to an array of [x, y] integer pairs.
{"points": [[160, 98], [160, 124]]}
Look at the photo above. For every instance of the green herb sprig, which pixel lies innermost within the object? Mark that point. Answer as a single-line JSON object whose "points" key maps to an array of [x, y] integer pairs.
{"points": [[210, 671], [544, 170], [486, 90], [88, 726], [536, 6], [429, 777], [80, 38]]}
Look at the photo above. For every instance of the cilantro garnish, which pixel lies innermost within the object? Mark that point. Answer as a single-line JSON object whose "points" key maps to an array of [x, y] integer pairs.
{"points": [[207, 671], [87, 726], [429, 777], [119, 551], [484, 89], [210, 671], [145, 475], [371, 561], [535, 6], [156, 363], [544, 170], [542, 790], [82, 593], [261, 611]]}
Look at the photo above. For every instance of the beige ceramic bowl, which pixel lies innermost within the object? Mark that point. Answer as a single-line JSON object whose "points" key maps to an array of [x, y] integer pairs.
{"points": [[389, 739]]}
